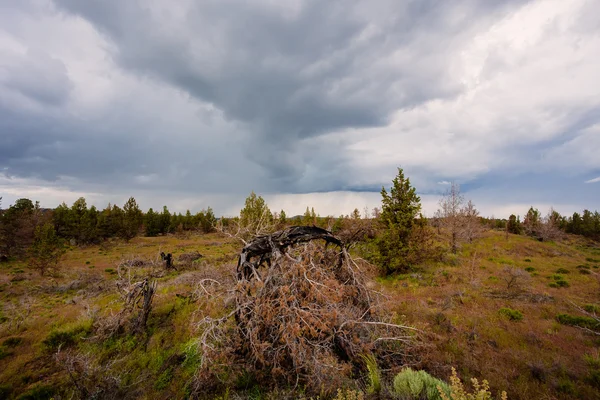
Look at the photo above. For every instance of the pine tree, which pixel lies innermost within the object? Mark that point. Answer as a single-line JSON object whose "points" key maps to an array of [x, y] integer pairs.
{"points": [[400, 208], [152, 223], [282, 218], [132, 219], [47, 248]]}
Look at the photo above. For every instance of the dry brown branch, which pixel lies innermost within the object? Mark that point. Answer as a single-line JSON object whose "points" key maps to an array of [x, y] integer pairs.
{"points": [[302, 314]]}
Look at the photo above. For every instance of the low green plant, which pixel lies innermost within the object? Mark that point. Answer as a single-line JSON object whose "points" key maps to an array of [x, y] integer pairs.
{"points": [[12, 342], [38, 392], [4, 352], [591, 308], [563, 271], [412, 384], [164, 379], [67, 336], [110, 271], [580, 321], [513, 315], [349, 394], [458, 392], [527, 260], [373, 374], [529, 269]]}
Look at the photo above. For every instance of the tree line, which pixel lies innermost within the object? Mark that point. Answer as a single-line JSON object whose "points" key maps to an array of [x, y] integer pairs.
{"points": [[395, 236]]}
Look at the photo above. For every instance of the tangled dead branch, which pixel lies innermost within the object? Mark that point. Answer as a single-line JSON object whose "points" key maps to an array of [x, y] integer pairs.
{"points": [[302, 315]]}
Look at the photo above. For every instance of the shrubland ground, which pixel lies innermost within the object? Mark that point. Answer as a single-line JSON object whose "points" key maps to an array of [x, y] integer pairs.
{"points": [[505, 307]]}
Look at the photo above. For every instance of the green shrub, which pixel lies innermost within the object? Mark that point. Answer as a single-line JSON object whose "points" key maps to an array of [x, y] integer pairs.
{"points": [[562, 283], [513, 315], [417, 384], [164, 379], [584, 271], [110, 271], [40, 392], [562, 271], [583, 267], [5, 391], [4, 352], [559, 281], [576, 320], [527, 260], [12, 342], [529, 269], [67, 336], [591, 308]]}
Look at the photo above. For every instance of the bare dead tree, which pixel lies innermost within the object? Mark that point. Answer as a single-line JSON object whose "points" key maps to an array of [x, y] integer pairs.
{"points": [[450, 215], [472, 228]]}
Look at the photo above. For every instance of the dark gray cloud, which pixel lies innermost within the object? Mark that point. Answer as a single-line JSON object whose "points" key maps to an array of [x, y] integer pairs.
{"points": [[295, 70]]}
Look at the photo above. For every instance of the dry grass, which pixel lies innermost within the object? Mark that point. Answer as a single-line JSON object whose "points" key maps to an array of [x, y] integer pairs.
{"points": [[456, 302]]}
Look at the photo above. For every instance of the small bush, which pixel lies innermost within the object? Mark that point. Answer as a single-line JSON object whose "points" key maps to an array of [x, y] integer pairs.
{"points": [[527, 260], [593, 260], [4, 352], [591, 308], [562, 283], [110, 271], [40, 392], [529, 269], [576, 320], [349, 395], [416, 384], [12, 342], [562, 271], [583, 267], [458, 392], [513, 315], [67, 336], [584, 271]]}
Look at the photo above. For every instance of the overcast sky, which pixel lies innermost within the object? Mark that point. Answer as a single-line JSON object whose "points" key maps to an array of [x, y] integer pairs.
{"points": [[309, 103]]}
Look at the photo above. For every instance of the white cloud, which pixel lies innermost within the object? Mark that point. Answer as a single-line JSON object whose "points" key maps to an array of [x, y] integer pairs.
{"points": [[593, 180]]}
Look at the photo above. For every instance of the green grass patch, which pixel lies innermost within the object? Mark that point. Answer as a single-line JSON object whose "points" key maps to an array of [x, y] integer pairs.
{"points": [[110, 271], [527, 260], [40, 392], [563, 271], [512, 315], [4, 352], [576, 320], [529, 269], [12, 342], [68, 335], [164, 379], [591, 308]]}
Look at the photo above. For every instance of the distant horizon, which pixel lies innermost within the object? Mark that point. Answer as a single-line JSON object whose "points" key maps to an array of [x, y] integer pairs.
{"points": [[325, 201]]}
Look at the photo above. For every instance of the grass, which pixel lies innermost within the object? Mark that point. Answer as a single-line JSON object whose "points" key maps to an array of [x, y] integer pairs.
{"points": [[512, 315], [457, 299]]}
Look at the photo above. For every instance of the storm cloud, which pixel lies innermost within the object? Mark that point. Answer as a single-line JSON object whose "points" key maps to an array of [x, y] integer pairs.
{"points": [[205, 101]]}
